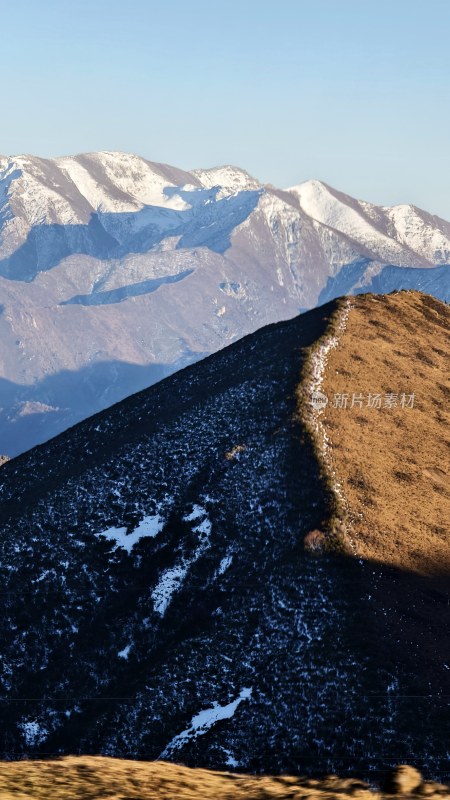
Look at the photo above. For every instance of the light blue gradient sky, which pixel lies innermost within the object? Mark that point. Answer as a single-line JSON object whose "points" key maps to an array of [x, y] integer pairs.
{"points": [[353, 92]]}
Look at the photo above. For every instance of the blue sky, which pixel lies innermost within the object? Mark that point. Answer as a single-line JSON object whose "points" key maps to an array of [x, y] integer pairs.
{"points": [[353, 92]]}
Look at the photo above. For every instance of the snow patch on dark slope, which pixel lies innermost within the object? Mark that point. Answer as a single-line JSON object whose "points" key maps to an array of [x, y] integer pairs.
{"points": [[157, 597], [106, 258]]}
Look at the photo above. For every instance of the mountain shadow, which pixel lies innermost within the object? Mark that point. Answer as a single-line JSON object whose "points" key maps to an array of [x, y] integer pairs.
{"points": [[433, 280], [35, 413], [208, 222], [109, 296]]}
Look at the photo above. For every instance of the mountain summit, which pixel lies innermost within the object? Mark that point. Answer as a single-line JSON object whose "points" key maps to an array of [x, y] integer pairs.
{"points": [[115, 272]]}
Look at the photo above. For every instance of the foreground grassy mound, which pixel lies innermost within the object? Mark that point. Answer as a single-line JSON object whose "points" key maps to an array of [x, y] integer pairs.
{"points": [[98, 778]]}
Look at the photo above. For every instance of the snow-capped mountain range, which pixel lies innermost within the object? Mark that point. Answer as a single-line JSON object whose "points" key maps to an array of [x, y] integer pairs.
{"points": [[115, 271]]}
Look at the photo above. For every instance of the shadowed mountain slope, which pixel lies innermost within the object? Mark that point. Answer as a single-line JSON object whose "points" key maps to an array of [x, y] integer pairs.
{"points": [[158, 597]]}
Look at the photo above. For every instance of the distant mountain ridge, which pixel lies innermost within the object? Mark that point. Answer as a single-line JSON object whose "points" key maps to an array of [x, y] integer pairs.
{"points": [[116, 271]]}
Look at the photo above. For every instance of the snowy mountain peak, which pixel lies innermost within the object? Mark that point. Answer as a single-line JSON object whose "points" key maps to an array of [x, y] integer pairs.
{"points": [[121, 182], [228, 177], [401, 234]]}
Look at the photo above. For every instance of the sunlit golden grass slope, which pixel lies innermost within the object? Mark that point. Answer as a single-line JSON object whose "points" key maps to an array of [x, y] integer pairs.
{"points": [[392, 462]]}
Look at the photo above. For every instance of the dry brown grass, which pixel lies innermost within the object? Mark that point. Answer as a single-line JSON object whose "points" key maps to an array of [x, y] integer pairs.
{"points": [[100, 778], [392, 463], [235, 451]]}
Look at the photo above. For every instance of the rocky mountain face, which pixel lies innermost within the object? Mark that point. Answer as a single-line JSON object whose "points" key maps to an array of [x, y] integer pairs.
{"points": [[160, 594], [115, 272]]}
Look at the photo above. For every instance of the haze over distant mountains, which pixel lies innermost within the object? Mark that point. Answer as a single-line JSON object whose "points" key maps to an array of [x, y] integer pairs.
{"points": [[115, 271]]}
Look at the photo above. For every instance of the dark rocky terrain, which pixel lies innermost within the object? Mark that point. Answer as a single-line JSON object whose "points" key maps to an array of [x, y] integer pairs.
{"points": [[158, 601]]}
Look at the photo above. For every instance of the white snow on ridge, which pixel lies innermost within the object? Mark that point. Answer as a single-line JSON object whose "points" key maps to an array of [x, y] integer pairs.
{"points": [[318, 365], [202, 722], [40, 201], [419, 232], [130, 183], [320, 203], [150, 526], [96, 195], [227, 177]]}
